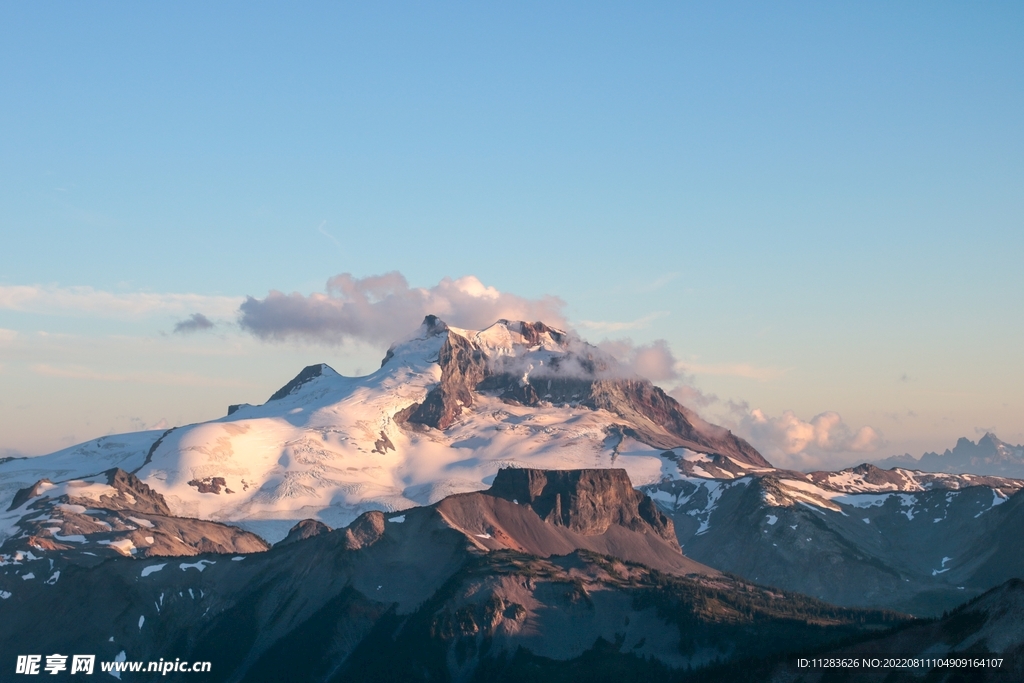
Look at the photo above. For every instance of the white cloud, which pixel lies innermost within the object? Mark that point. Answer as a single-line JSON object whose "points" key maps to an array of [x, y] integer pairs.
{"points": [[653, 361], [52, 299], [383, 308], [789, 441], [692, 397], [7, 336]]}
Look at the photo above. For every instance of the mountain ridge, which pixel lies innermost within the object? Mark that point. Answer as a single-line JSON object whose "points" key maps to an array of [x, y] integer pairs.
{"points": [[989, 455]]}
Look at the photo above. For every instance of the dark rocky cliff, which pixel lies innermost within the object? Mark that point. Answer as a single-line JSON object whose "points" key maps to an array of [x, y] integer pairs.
{"points": [[584, 501]]}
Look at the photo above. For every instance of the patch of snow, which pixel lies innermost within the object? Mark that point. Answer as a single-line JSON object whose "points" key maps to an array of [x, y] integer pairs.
{"points": [[150, 540], [121, 656], [867, 521], [200, 565], [862, 500], [146, 571], [28, 576], [397, 520], [715, 489], [142, 620], [5, 594], [238, 558], [482, 535], [53, 579], [123, 546], [772, 519], [142, 522], [811, 507]]}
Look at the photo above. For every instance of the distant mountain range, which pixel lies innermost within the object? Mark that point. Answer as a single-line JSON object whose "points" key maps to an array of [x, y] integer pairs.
{"points": [[988, 456], [489, 505]]}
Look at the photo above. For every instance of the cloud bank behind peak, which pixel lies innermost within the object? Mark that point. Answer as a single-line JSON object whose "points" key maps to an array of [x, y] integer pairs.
{"points": [[382, 308]]}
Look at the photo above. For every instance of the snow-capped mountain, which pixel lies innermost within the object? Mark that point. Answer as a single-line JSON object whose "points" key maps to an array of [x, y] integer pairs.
{"points": [[447, 409], [988, 456]]}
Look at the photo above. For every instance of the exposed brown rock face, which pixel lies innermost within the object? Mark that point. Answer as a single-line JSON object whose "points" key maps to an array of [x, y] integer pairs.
{"points": [[181, 536], [307, 528], [365, 530], [463, 367], [132, 494], [532, 332], [26, 493], [382, 444], [209, 484], [309, 373], [587, 502], [660, 421]]}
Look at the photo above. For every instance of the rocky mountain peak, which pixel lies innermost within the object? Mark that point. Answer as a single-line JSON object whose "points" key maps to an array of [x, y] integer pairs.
{"points": [[308, 374], [586, 502], [307, 528], [531, 363]]}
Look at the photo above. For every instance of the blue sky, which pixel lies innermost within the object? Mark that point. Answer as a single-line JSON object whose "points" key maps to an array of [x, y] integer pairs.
{"points": [[817, 205]]}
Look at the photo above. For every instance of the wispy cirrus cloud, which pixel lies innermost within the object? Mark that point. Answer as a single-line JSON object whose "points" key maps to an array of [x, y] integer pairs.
{"points": [[658, 282], [613, 326], [745, 370], [383, 308], [88, 301]]}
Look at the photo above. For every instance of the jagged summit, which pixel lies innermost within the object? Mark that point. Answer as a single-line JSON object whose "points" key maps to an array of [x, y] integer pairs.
{"points": [[532, 364], [989, 455], [309, 373]]}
